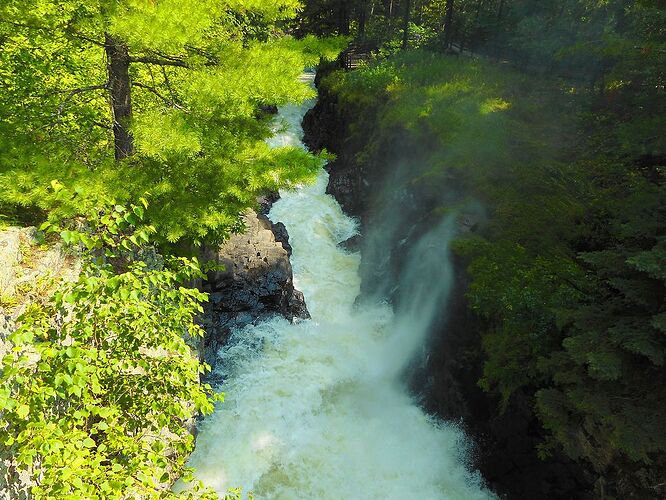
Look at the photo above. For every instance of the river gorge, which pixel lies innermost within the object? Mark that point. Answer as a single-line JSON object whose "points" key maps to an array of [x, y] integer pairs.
{"points": [[319, 408]]}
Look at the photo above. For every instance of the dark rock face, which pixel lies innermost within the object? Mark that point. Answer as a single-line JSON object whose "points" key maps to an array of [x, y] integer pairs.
{"points": [[257, 282], [282, 236], [266, 202], [352, 244], [445, 378], [326, 128], [268, 109]]}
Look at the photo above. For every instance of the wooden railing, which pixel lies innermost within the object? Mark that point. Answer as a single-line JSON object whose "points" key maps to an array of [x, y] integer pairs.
{"points": [[355, 55]]}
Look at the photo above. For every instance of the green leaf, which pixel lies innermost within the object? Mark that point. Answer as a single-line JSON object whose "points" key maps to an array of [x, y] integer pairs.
{"points": [[88, 443], [22, 411]]}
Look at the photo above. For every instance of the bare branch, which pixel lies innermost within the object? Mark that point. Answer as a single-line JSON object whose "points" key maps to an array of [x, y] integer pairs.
{"points": [[102, 125], [171, 103], [168, 84], [159, 61], [73, 92], [647, 50], [76, 34]]}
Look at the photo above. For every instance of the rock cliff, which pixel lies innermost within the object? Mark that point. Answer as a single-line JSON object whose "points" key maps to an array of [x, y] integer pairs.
{"points": [[26, 266], [256, 283]]}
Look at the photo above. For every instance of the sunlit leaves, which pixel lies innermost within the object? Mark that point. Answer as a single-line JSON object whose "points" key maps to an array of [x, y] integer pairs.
{"points": [[100, 382], [162, 135], [195, 124]]}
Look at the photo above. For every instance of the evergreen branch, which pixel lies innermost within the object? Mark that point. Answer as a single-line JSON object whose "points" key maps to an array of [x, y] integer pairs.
{"points": [[169, 57], [77, 90], [66, 30], [87, 38], [159, 61], [73, 92], [212, 59], [153, 90]]}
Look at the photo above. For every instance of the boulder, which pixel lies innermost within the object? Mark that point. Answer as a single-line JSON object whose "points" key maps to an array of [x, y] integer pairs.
{"points": [[266, 201], [256, 283], [353, 244]]}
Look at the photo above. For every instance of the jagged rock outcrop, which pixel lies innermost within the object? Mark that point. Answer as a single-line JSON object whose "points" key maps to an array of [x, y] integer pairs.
{"points": [[25, 265], [266, 201], [256, 283], [326, 128]]}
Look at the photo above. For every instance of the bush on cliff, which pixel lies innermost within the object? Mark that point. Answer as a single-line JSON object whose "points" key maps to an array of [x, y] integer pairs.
{"points": [[100, 383]]}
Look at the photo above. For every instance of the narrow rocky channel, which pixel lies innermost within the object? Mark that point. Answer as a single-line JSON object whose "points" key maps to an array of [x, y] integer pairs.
{"points": [[317, 408]]}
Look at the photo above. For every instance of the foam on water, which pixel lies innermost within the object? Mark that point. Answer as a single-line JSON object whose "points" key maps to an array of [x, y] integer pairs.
{"points": [[315, 410]]}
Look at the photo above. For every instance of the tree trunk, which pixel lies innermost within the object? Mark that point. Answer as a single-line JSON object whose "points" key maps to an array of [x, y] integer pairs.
{"points": [[343, 18], [418, 8], [500, 11], [362, 17], [474, 26], [448, 24], [405, 27], [118, 62]]}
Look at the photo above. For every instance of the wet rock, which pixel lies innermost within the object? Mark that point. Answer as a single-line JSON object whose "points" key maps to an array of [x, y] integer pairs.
{"points": [[282, 236], [352, 244], [345, 183], [266, 202], [297, 307], [269, 109], [256, 283]]}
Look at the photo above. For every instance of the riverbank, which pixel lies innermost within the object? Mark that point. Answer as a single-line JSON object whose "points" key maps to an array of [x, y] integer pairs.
{"points": [[418, 137]]}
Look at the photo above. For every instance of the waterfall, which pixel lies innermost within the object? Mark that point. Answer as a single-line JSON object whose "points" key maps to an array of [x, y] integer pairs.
{"points": [[315, 409]]}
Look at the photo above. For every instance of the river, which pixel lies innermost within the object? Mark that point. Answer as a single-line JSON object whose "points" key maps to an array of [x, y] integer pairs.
{"points": [[316, 409]]}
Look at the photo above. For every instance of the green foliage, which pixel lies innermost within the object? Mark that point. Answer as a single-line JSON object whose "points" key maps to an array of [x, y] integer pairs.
{"points": [[101, 382], [524, 298], [106, 231], [197, 78], [568, 268], [463, 127]]}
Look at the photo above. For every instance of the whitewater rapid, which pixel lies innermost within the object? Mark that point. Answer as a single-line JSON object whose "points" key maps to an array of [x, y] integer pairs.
{"points": [[315, 409]]}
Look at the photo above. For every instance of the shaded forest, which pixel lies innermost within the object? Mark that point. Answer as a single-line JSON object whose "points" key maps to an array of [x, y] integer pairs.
{"points": [[551, 116]]}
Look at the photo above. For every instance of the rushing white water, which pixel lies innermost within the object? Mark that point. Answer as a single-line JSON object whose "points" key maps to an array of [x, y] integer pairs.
{"points": [[315, 410]]}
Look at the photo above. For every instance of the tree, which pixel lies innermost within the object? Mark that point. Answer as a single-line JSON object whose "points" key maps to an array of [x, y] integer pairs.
{"points": [[185, 86], [343, 17], [448, 24], [405, 25]]}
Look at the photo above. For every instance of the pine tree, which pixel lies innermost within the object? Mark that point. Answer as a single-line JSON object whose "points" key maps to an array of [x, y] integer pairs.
{"points": [[124, 98]]}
